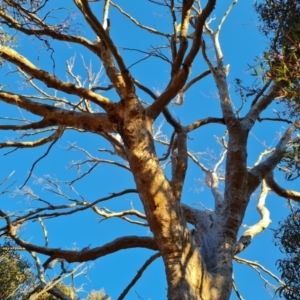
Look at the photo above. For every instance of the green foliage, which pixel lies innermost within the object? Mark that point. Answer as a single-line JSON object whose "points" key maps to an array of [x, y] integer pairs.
{"points": [[281, 64], [15, 274], [98, 295], [288, 239], [280, 20], [280, 23], [67, 290], [5, 39], [290, 162], [17, 278]]}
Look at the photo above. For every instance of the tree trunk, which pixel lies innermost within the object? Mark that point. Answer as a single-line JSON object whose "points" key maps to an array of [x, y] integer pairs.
{"points": [[187, 274]]}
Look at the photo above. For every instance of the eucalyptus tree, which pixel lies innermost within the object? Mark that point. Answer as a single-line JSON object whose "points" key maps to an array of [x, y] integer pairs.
{"points": [[115, 107]]}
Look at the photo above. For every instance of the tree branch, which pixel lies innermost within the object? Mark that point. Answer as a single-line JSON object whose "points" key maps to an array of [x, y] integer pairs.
{"points": [[47, 31], [260, 106], [203, 122], [179, 162], [260, 226], [52, 81], [96, 122], [259, 172], [107, 214], [256, 265], [138, 24], [34, 125], [103, 35], [53, 137], [220, 80], [139, 274], [180, 95], [185, 18], [100, 31], [180, 76], [225, 16], [273, 185], [83, 255], [68, 209]]}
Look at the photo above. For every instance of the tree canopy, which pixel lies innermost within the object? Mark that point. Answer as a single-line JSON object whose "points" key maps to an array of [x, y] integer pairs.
{"points": [[287, 236], [109, 111], [16, 277]]}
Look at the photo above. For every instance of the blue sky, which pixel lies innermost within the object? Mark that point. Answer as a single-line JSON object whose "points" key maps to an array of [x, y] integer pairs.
{"points": [[241, 43]]}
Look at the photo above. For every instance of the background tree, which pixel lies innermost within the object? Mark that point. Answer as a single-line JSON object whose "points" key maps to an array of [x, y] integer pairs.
{"points": [[98, 295], [120, 117], [18, 282], [279, 23], [287, 236], [16, 277]]}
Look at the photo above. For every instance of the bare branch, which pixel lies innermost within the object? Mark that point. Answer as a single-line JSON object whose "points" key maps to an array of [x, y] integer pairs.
{"points": [[276, 188], [91, 122], [179, 162], [139, 274], [103, 35], [84, 255], [197, 162], [203, 122], [173, 39], [7, 178], [260, 106], [275, 119], [50, 286], [260, 226], [92, 159], [46, 31], [132, 19], [44, 231], [261, 92], [237, 291], [107, 214], [50, 80], [100, 31], [262, 155], [258, 172], [105, 20], [60, 210], [185, 18], [212, 178], [180, 96], [35, 125], [220, 79], [53, 137], [256, 265], [180, 75], [225, 16]]}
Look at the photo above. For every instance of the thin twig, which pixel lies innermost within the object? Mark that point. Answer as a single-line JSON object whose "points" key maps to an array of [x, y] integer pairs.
{"points": [[138, 275]]}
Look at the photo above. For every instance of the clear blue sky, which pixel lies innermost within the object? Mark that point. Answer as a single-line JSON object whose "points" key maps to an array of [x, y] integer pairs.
{"points": [[241, 43]]}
